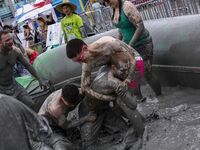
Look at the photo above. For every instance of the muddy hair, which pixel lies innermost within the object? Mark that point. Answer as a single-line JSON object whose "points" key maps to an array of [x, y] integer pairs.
{"points": [[120, 10], [70, 93], [74, 47]]}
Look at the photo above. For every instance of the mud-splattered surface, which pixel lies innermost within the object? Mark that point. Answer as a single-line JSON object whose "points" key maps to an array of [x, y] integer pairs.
{"points": [[176, 123], [172, 121]]}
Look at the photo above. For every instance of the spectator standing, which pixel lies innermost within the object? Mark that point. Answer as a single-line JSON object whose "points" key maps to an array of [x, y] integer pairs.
{"points": [[128, 20], [28, 35], [42, 29], [96, 6], [71, 24]]}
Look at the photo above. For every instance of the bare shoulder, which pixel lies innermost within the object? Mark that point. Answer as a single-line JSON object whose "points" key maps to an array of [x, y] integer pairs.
{"points": [[128, 6], [47, 103], [105, 39]]}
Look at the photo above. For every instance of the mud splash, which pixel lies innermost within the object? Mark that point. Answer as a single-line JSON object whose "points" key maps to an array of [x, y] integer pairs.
{"points": [[177, 122]]}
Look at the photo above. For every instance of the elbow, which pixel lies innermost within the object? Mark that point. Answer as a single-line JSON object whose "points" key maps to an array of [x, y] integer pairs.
{"points": [[140, 27]]}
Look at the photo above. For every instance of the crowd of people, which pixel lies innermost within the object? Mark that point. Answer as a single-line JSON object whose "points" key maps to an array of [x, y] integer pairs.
{"points": [[123, 61]]}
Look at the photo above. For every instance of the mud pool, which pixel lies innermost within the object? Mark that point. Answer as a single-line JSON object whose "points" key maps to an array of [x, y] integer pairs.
{"points": [[172, 121]]}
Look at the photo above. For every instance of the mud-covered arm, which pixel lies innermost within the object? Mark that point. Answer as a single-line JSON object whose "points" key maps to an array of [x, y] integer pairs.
{"points": [[131, 70], [86, 77], [135, 18], [131, 74], [119, 86], [86, 82], [119, 46], [28, 66], [76, 123], [99, 96]]}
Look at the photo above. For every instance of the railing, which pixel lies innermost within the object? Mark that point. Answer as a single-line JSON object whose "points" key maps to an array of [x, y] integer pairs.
{"points": [[168, 8], [97, 21], [100, 21]]}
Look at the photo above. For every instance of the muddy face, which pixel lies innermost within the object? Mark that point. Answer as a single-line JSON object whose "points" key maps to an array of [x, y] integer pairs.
{"points": [[121, 71], [6, 43]]}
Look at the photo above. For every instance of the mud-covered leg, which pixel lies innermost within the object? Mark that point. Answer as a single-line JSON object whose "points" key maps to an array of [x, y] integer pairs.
{"points": [[134, 116], [60, 142], [22, 96], [89, 130]]}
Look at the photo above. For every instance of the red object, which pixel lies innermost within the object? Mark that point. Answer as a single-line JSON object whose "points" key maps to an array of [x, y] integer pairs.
{"points": [[32, 57], [41, 4], [140, 69]]}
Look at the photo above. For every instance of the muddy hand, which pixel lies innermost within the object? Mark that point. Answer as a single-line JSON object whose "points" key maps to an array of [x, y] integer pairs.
{"points": [[43, 84], [121, 89]]}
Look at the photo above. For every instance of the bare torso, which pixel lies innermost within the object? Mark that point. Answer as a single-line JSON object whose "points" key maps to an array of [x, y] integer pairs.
{"points": [[53, 107], [7, 63], [100, 53]]}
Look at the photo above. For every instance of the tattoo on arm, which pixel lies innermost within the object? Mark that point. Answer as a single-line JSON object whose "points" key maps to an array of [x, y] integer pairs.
{"points": [[85, 77], [99, 96], [135, 18], [133, 61]]}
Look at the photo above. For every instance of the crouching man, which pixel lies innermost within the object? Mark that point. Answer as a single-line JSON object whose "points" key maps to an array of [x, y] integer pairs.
{"points": [[56, 109]]}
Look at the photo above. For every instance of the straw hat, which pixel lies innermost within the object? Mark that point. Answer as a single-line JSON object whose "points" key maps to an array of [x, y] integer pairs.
{"points": [[66, 2]]}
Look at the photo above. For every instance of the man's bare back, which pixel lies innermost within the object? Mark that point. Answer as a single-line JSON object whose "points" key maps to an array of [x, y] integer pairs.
{"points": [[100, 53], [54, 108]]}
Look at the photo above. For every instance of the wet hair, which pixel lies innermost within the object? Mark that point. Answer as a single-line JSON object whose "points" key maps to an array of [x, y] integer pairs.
{"points": [[119, 57], [70, 93], [120, 10], [74, 47], [3, 32]]}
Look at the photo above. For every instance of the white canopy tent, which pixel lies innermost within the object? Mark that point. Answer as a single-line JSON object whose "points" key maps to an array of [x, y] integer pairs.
{"points": [[24, 9], [34, 13]]}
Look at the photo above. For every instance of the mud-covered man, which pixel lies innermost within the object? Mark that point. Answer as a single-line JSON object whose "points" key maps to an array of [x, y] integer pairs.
{"points": [[9, 55], [128, 70], [56, 109], [124, 106]]}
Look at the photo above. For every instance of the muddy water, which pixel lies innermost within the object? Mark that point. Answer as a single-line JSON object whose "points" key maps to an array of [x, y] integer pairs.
{"points": [[173, 120]]}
